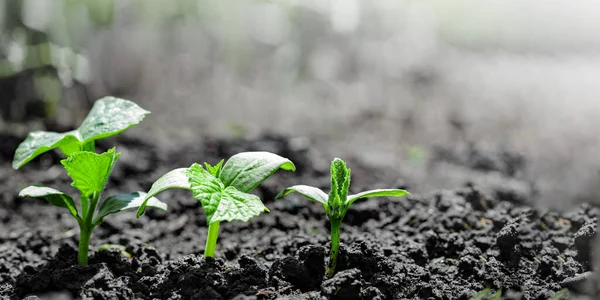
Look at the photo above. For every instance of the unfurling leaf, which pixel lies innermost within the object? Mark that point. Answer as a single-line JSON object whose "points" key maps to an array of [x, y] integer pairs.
{"points": [[340, 183], [89, 170], [214, 170], [219, 202], [108, 117]]}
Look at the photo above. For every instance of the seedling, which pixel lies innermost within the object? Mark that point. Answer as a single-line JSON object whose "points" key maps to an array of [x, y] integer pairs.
{"points": [[108, 117], [90, 172], [223, 190], [337, 202]]}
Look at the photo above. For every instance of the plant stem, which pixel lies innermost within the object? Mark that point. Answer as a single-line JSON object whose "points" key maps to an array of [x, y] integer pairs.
{"points": [[84, 244], [89, 146], [211, 239], [335, 246], [85, 230]]}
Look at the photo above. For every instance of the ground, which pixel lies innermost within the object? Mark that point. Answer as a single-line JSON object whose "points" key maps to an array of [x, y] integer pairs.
{"points": [[439, 244]]}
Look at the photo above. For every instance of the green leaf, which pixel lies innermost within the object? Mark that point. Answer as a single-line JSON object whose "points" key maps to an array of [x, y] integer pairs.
{"points": [[89, 170], [340, 182], [109, 116], [376, 193], [216, 170], [122, 202], [310, 192], [219, 202], [38, 142], [247, 170], [55, 197], [172, 180]]}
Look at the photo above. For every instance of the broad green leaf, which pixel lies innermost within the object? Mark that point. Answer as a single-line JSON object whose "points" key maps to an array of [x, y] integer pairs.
{"points": [[247, 170], [55, 197], [376, 193], [109, 116], [175, 179], [122, 202], [340, 182], [219, 202], [236, 205], [38, 142], [216, 170], [89, 170]]}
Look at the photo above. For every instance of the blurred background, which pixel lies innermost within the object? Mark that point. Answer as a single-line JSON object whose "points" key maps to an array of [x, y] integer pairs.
{"points": [[510, 84]]}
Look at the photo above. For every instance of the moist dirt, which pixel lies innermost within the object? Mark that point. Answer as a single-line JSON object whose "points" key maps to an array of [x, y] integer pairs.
{"points": [[446, 244]]}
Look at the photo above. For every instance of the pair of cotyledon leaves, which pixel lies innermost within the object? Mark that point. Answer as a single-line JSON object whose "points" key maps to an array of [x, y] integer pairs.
{"points": [[338, 201], [108, 117]]}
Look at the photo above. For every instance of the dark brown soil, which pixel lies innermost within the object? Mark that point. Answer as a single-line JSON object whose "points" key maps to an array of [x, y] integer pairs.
{"points": [[447, 244]]}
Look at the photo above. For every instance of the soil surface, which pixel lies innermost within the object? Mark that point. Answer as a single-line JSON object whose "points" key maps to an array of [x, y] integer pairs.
{"points": [[448, 244]]}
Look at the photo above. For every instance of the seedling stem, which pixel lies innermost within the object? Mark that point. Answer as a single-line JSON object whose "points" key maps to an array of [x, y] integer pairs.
{"points": [[335, 246], [89, 146], [85, 229], [211, 239]]}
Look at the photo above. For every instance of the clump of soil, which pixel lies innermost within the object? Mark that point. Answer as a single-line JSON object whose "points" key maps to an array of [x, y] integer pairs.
{"points": [[447, 244]]}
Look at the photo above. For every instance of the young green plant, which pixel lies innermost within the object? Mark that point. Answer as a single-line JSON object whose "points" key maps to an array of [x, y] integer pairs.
{"points": [[89, 172], [337, 202], [108, 117], [224, 190]]}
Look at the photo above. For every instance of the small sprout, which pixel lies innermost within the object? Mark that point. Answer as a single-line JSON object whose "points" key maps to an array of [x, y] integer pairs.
{"points": [[487, 294], [562, 294], [338, 201], [223, 190], [89, 172], [109, 116], [121, 248]]}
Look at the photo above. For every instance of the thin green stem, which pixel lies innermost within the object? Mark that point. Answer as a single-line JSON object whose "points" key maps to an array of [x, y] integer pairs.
{"points": [[335, 246], [85, 230], [84, 245], [211, 239]]}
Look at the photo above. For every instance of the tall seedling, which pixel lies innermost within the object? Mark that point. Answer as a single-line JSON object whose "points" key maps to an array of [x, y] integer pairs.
{"points": [[109, 116]]}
